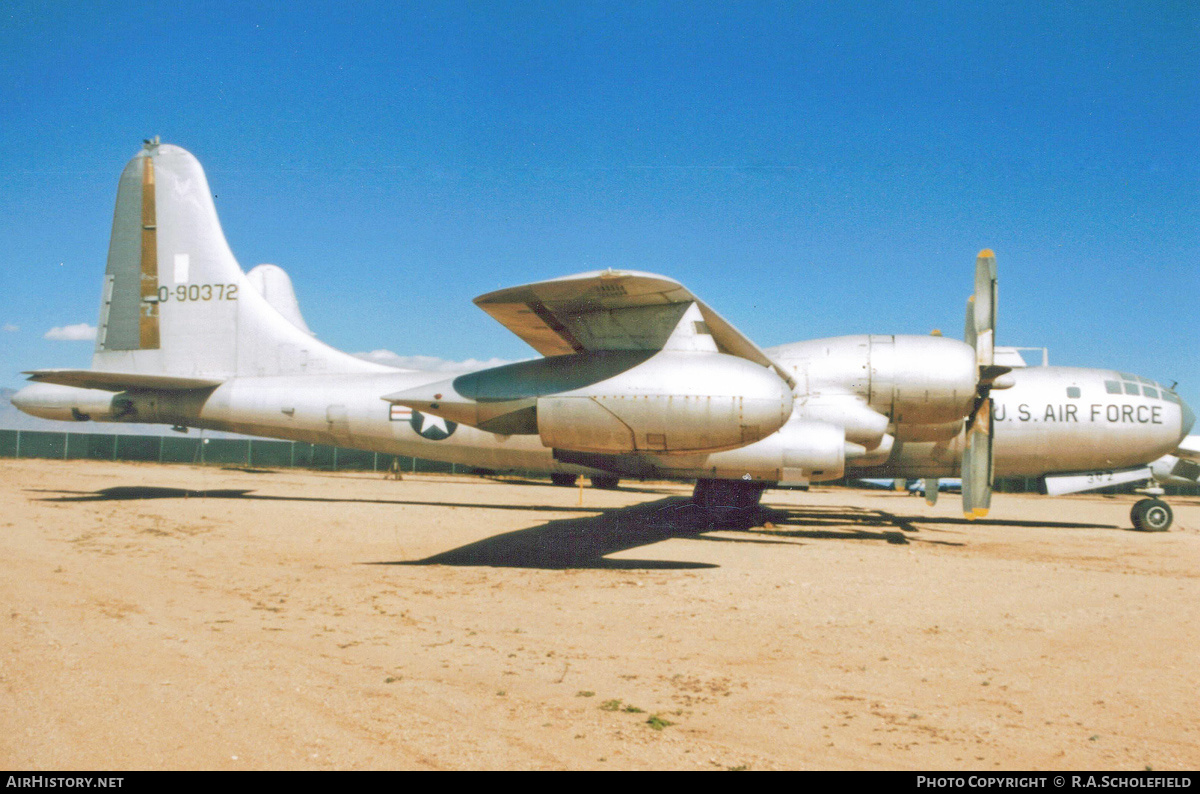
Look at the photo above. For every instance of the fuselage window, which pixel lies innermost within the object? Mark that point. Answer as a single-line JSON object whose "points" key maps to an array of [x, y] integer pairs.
{"points": [[1112, 386], [1073, 392]]}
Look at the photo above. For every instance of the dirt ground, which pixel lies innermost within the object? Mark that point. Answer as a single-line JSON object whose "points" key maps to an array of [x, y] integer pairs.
{"points": [[176, 617]]}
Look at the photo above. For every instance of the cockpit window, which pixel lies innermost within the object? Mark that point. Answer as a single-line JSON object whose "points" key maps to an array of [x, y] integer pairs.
{"points": [[1127, 376], [1131, 388], [1149, 392], [1112, 386], [1073, 392], [1170, 396]]}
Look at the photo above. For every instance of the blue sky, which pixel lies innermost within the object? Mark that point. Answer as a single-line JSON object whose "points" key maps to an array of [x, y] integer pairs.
{"points": [[809, 169]]}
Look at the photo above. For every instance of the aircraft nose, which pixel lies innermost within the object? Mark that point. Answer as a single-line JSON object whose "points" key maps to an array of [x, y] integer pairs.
{"points": [[1186, 420]]}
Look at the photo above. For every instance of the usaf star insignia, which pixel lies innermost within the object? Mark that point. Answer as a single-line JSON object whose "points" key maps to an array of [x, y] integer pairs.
{"points": [[434, 428]]}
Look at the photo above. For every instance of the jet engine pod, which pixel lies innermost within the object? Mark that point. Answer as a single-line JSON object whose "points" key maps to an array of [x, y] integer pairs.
{"points": [[803, 451], [674, 402], [69, 403]]}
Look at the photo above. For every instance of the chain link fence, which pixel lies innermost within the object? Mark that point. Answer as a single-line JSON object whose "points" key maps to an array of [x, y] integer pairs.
{"points": [[250, 452]]}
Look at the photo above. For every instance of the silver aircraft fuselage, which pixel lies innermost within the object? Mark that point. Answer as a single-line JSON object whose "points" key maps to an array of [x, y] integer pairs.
{"points": [[1062, 419], [1052, 419], [639, 377]]}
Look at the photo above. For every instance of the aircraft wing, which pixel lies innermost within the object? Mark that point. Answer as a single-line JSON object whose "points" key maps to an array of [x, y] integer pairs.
{"points": [[118, 381], [610, 310]]}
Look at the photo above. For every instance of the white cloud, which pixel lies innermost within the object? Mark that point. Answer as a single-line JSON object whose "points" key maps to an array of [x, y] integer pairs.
{"points": [[429, 363], [11, 328], [80, 332]]}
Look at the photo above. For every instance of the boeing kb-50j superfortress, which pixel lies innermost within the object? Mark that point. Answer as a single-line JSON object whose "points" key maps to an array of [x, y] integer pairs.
{"points": [[639, 378]]}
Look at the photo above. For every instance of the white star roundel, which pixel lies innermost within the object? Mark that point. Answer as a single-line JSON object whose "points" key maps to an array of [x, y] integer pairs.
{"points": [[434, 428]]}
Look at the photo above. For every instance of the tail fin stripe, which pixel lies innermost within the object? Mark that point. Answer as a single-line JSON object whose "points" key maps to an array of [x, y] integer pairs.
{"points": [[148, 337]]}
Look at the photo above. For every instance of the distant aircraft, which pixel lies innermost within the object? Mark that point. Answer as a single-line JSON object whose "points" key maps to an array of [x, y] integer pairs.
{"points": [[640, 378], [928, 487], [1181, 467]]}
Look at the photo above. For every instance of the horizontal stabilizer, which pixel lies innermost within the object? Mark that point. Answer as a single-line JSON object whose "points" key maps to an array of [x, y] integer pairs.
{"points": [[119, 381], [611, 310]]}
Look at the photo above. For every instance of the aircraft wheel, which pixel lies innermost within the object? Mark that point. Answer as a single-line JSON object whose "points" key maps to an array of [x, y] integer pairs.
{"points": [[605, 481], [1151, 515], [559, 478]]}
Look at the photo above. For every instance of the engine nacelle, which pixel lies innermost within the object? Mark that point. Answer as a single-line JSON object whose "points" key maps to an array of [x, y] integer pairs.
{"points": [[922, 379], [910, 379], [675, 402]]}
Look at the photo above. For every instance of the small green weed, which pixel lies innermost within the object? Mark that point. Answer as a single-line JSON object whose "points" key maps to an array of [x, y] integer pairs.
{"points": [[658, 723]]}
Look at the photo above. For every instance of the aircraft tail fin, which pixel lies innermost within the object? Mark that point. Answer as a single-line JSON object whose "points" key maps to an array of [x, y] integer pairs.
{"points": [[175, 301]]}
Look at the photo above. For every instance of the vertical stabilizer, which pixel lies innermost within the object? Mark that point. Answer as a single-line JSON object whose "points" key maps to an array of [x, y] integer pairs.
{"points": [[175, 301]]}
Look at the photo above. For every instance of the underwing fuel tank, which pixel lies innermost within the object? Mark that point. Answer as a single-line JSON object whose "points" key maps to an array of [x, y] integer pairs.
{"points": [[618, 401]]}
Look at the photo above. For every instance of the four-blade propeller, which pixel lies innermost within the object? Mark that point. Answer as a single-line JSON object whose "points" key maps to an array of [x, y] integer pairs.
{"points": [[980, 333]]}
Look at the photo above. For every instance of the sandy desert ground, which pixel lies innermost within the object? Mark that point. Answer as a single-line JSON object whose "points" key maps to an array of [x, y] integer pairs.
{"points": [[181, 617]]}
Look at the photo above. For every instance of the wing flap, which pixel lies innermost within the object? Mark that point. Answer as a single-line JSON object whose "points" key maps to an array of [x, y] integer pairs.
{"points": [[610, 310]]}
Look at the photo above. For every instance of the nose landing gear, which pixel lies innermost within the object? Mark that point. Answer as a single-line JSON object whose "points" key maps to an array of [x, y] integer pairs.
{"points": [[1151, 515]]}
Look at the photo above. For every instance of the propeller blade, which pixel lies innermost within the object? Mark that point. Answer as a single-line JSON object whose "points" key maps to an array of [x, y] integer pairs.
{"points": [[969, 325], [931, 490], [980, 333], [982, 312], [977, 462]]}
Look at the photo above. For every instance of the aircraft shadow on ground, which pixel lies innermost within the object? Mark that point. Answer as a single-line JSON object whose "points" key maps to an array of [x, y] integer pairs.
{"points": [[128, 492], [587, 541], [847, 519]]}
